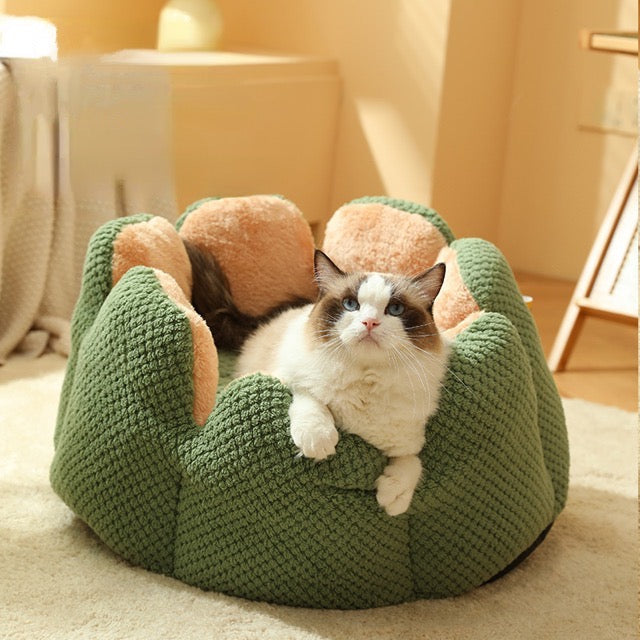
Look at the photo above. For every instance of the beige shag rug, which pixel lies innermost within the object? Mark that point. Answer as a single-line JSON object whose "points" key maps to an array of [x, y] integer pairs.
{"points": [[57, 580]]}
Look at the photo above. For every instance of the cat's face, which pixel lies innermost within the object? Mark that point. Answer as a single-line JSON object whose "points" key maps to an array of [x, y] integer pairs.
{"points": [[372, 314]]}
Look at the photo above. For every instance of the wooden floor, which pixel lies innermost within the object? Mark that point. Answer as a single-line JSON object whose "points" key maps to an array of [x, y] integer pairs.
{"points": [[603, 366]]}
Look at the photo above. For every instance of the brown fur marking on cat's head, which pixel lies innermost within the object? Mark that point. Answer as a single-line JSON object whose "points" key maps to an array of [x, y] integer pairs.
{"points": [[333, 286], [415, 294]]}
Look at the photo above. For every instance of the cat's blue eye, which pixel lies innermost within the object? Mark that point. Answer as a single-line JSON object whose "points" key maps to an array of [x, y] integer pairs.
{"points": [[395, 309], [350, 304]]}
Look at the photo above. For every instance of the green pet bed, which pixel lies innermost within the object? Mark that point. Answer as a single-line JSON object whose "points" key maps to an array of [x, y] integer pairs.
{"points": [[184, 472]]}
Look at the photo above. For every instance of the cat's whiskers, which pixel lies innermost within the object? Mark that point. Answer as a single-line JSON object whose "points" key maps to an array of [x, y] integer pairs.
{"points": [[334, 348], [395, 356], [420, 326], [448, 369], [411, 331], [411, 360], [394, 351]]}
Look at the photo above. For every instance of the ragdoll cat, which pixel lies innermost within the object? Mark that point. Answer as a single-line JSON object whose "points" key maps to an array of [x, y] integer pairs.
{"points": [[366, 356]]}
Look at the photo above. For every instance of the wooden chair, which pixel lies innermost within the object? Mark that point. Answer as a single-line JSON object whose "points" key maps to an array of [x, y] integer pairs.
{"points": [[608, 285]]}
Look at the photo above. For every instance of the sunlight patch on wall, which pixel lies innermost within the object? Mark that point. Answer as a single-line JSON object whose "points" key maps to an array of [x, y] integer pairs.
{"points": [[420, 43], [400, 160], [421, 40], [27, 37]]}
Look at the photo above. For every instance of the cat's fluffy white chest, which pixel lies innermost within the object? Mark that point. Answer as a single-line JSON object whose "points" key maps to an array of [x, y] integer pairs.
{"points": [[386, 405], [380, 406]]}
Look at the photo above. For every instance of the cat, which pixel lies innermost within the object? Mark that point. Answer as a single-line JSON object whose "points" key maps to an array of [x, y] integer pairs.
{"points": [[367, 357]]}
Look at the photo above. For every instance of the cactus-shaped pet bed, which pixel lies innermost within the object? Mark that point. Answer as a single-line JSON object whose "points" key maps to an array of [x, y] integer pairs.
{"points": [[184, 473]]}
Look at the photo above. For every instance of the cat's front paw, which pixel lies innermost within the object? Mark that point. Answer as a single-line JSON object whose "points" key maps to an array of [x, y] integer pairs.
{"points": [[392, 495], [314, 434], [315, 439], [397, 483], [312, 427]]}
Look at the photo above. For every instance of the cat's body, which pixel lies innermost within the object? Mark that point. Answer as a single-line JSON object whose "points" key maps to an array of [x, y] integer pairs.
{"points": [[366, 357], [380, 397]]}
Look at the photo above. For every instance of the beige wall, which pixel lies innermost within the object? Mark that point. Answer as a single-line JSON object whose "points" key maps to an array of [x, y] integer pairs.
{"points": [[474, 115], [560, 173], [477, 108], [91, 26], [391, 57], [481, 108]]}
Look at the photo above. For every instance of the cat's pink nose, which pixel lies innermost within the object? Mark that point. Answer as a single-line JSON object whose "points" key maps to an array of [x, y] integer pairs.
{"points": [[370, 323]]}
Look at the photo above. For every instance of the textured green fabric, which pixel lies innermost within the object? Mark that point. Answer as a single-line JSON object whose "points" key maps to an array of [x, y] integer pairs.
{"points": [[230, 507]]}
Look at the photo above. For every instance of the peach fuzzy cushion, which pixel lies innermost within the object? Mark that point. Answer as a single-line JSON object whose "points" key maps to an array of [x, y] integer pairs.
{"points": [[152, 243], [374, 236], [205, 354], [379, 237], [263, 244]]}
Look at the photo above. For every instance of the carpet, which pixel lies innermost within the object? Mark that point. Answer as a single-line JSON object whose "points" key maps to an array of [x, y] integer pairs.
{"points": [[57, 580]]}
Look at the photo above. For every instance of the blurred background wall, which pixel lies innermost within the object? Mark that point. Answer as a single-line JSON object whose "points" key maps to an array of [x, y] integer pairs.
{"points": [[91, 26], [487, 110]]}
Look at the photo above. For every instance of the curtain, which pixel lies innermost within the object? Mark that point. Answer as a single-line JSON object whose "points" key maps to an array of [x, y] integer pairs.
{"points": [[81, 142]]}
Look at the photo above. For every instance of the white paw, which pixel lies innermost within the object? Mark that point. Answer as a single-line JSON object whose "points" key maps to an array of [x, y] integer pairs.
{"points": [[395, 487], [314, 434]]}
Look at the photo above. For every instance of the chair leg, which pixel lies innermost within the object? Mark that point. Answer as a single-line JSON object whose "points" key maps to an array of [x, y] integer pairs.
{"points": [[566, 338]]}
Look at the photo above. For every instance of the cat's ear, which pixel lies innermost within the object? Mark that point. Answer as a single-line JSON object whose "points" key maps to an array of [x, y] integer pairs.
{"points": [[324, 269], [430, 282]]}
